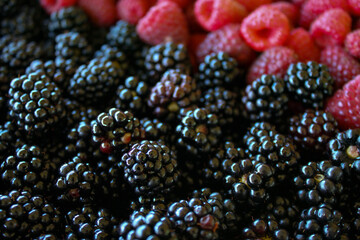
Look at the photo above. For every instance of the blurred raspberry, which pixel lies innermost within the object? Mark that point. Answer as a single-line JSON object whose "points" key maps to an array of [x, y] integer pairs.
{"points": [[180, 3], [51, 6], [354, 7], [289, 9], [352, 43], [101, 12], [301, 42], [273, 61], [132, 11], [251, 5]]}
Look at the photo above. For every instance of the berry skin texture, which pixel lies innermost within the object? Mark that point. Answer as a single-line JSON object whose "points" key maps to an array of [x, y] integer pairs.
{"points": [[51, 6], [265, 28], [274, 61], [354, 7], [301, 42], [132, 11], [342, 66], [331, 27], [101, 13], [253, 4], [163, 21], [214, 14], [352, 43], [345, 105]]}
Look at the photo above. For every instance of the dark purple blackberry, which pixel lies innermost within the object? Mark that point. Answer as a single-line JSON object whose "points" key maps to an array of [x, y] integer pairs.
{"points": [[35, 103], [113, 54], [174, 91], [157, 130], [96, 82], [265, 229], [218, 69], [28, 169], [114, 131], [152, 225], [28, 216], [355, 221], [166, 56], [124, 36], [265, 99], [309, 83], [69, 19], [321, 222], [90, 222], [312, 130], [198, 132], [77, 113], [9, 7], [151, 168], [318, 183], [132, 96], [344, 151], [146, 204]]}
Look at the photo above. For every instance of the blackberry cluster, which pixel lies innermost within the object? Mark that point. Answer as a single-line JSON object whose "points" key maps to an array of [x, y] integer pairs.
{"points": [[156, 130], [146, 204], [9, 7], [264, 229], [113, 54]]}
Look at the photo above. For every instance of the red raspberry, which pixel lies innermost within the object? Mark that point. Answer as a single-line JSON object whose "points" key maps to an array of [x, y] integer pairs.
{"points": [[289, 9], [298, 3], [251, 5], [162, 22], [301, 42], [274, 61], [51, 6], [101, 12], [354, 7], [214, 14], [226, 39], [181, 3], [265, 28], [342, 66], [345, 105], [132, 11], [352, 43], [313, 8], [331, 27]]}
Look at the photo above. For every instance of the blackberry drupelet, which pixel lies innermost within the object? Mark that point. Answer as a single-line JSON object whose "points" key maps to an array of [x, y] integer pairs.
{"points": [[9, 7], [309, 83], [166, 56], [146, 204], [198, 132], [152, 225], [173, 92], [312, 130], [217, 70], [265, 99], [90, 222], [77, 112], [321, 222], [35, 103], [28, 168], [318, 183], [151, 168], [24, 215], [132, 96], [157, 130], [68, 19], [96, 82], [113, 54], [264, 229], [114, 131]]}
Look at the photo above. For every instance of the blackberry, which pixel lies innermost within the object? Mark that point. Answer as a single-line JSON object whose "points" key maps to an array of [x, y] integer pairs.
{"points": [[217, 70], [96, 82], [166, 56], [173, 92], [77, 113], [198, 132], [112, 54], [137, 68], [264, 229], [313, 129], [132, 96], [89, 222], [344, 151], [114, 131], [150, 167], [318, 183], [157, 130], [146, 204], [24, 215], [265, 99], [152, 225], [9, 7], [309, 83], [68, 19], [35, 103], [321, 222]]}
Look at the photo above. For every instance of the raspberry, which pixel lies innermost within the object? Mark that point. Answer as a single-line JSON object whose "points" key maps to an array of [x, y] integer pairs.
{"points": [[274, 61], [313, 8], [342, 66], [226, 39], [103, 14], [51, 6], [345, 105], [289, 9], [214, 14], [298, 3], [331, 27], [163, 21], [253, 4], [265, 28], [352, 43], [132, 11], [181, 3], [354, 7], [301, 42]]}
